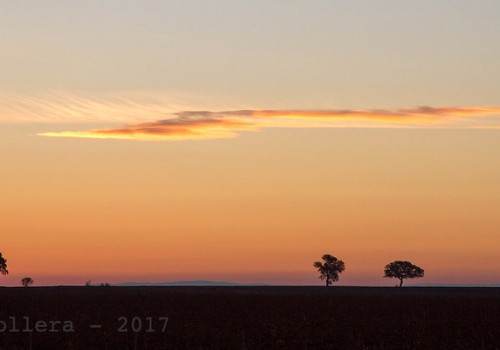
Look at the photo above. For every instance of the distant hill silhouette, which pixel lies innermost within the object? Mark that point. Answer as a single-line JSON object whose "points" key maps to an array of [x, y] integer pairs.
{"points": [[468, 285], [187, 283]]}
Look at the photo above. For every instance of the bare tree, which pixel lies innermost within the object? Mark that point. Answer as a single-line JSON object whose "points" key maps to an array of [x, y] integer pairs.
{"points": [[3, 265], [27, 281], [402, 270], [329, 269]]}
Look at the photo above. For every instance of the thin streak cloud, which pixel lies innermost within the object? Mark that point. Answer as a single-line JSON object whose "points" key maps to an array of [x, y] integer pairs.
{"points": [[190, 125], [85, 107]]}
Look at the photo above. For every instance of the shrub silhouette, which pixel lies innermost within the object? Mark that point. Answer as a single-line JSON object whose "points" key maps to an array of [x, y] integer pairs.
{"points": [[329, 269], [3, 265], [27, 281], [402, 270]]}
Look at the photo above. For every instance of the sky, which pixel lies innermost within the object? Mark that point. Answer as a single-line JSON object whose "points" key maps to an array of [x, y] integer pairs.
{"points": [[242, 140]]}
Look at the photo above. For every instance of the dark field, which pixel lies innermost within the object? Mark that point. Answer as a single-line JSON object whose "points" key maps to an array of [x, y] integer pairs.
{"points": [[249, 318]]}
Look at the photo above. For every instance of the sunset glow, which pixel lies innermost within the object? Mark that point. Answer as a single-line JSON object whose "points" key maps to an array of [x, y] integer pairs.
{"points": [[281, 131]]}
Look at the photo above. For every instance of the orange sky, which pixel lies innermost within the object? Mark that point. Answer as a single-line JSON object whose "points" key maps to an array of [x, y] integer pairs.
{"points": [[283, 130], [259, 208]]}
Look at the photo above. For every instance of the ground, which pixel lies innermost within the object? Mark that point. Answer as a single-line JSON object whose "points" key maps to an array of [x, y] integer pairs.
{"points": [[249, 318]]}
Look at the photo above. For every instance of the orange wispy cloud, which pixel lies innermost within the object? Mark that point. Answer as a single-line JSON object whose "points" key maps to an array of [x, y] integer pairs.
{"points": [[211, 125], [171, 129]]}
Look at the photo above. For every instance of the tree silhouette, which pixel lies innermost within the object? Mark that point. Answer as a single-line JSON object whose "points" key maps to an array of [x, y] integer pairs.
{"points": [[3, 265], [27, 281], [329, 269], [402, 270]]}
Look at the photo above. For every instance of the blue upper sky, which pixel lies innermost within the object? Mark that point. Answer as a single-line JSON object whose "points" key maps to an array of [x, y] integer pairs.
{"points": [[268, 54]]}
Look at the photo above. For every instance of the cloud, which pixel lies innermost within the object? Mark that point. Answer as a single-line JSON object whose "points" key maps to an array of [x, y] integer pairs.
{"points": [[213, 125], [103, 107], [169, 129]]}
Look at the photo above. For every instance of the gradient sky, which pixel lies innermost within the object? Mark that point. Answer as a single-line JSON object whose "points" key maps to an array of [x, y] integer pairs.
{"points": [[282, 130]]}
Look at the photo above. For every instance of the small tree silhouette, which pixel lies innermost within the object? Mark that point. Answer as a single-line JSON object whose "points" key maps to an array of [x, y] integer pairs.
{"points": [[402, 270], [329, 269], [27, 281], [3, 265]]}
